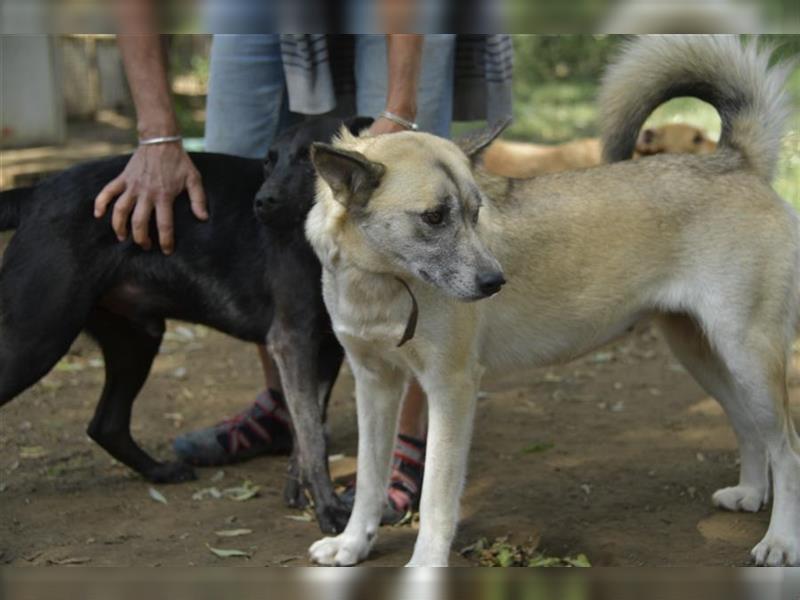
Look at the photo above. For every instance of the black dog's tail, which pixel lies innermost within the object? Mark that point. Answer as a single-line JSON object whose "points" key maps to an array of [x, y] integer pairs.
{"points": [[11, 203], [735, 78]]}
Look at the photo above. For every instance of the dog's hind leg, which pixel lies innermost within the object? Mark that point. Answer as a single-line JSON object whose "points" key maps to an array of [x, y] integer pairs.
{"points": [[305, 367], [379, 388], [128, 352], [756, 357], [690, 346], [41, 314]]}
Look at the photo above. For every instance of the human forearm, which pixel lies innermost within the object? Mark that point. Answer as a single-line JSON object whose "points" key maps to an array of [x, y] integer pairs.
{"points": [[404, 57], [143, 56]]}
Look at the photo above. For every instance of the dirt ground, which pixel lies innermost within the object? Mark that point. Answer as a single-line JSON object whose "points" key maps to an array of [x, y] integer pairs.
{"points": [[614, 456]]}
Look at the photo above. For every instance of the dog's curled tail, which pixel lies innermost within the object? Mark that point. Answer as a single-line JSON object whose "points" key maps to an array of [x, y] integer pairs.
{"points": [[732, 76], [11, 203]]}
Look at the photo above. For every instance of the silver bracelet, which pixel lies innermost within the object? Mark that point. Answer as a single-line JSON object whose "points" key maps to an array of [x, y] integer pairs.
{"points": [[400, 120], [167, 139]]}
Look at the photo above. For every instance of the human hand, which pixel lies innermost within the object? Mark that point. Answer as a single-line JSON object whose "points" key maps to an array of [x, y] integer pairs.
{"points": [[384, 125], [152, 179]]}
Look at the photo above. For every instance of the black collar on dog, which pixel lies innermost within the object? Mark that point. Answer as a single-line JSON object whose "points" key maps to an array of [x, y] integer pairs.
{"points": [[411, 325]]}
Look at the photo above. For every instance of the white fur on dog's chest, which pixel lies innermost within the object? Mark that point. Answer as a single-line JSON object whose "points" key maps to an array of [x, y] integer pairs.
{"points": [[365, 310]]}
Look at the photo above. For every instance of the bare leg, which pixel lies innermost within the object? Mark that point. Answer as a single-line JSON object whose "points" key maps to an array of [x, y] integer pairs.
{"points": [[412, 416]]}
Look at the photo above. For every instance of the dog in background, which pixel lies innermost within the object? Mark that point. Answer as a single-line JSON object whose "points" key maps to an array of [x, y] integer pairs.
{"points": [[521, 160], [252, 276], [410, 230]]}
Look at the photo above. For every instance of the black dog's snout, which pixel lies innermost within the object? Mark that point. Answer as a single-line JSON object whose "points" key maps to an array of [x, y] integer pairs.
{"points": [[264, 200], [490, 283]]}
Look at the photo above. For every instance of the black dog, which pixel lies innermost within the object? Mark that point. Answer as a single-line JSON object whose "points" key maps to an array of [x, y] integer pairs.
{"points": [[253, 278]]}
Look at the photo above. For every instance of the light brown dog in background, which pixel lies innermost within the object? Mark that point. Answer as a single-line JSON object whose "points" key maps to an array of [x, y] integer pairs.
{"points": [[520, 159]]}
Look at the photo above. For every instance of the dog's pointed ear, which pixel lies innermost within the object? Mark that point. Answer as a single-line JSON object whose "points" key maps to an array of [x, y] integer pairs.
{"points": [[351, 175], [356, 125], [475, 142]]}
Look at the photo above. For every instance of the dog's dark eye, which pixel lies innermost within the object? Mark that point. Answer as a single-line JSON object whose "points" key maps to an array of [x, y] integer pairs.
{"points": [[698, 138], [433, 217]]}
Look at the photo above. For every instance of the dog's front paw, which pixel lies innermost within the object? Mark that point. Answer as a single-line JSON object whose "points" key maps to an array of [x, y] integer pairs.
{"points": [[740, 498], [339, 551], [777, 551], [171, 472]]}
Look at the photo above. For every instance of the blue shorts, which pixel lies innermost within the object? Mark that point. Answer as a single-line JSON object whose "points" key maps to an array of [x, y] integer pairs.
{"points": [[247, 104]]}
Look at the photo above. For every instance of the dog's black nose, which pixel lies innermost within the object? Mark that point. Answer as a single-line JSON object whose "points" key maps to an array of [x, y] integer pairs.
{"points": [[490, 283], [263, 201]]}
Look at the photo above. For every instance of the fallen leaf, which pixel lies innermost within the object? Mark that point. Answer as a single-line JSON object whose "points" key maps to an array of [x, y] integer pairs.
{"points": [[579, 561], [538, 447], [207, 492], [157, 496], [544, 561], [69, 366], [227, 553], [228, 533], [32, 452], [184, 332], [602, 357], [243, 492], [75, 560], [305, 517]]}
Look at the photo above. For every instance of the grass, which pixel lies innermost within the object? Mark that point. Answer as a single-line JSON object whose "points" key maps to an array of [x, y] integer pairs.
{"points": [[558, 111]]}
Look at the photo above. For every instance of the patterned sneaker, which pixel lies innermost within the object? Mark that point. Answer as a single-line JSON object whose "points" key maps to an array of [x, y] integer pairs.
{"points": [[405, 484], [261, 429]]}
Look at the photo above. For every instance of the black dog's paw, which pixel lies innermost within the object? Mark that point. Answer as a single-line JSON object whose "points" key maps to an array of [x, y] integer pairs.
{"points": [[172, 472], [294, 494], [333, 516]]}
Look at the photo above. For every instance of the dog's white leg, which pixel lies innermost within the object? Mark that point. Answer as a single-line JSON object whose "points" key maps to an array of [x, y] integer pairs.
{"points": [[758, 366], [451, 406], [691, 347], [379, 388]]}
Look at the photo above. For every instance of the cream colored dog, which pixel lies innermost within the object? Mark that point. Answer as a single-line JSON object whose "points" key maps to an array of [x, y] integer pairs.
{"points": [[520, 159], [700, 243]]}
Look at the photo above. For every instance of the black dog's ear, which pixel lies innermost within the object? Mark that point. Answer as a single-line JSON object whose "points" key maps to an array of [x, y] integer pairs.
{"points": [[358, 124], [477, 141], [351, 175]]}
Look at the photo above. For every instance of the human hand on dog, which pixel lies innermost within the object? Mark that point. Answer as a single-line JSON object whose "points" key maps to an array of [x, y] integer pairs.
{"points": [[384, 125], [152, 179]]}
